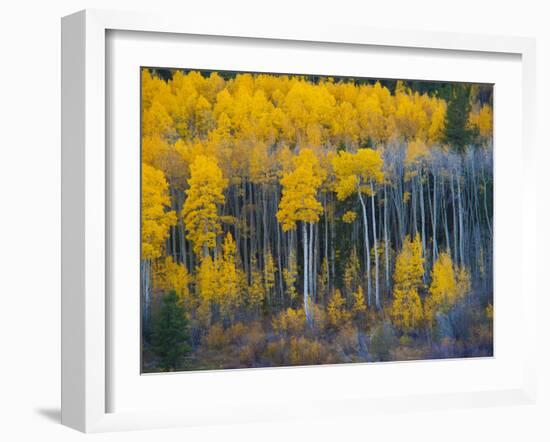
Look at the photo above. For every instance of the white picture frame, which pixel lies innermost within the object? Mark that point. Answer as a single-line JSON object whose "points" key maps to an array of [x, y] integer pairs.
{"points": [[85, 201]]}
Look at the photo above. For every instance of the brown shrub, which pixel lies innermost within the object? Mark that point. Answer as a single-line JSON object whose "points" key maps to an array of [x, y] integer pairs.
{"points": [[346, 341], [303, 351], [319, 319], [275, 353], [217, 338], [408, 353], [237, 333], [254, 341], [289, 322]]}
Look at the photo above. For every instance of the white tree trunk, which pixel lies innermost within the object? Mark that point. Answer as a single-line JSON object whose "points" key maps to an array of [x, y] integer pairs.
{"points": [[376, 271], [434, 233], [386, 245], [460, 224], [422, 220], [310, 261], [146, 291], [306, 265], [367, 246]]}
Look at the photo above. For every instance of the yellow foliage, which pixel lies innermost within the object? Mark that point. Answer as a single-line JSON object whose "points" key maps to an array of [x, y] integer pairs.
{"points": [[289, 322], [155, 218], [417, 150], [229, 279], [447, 286], [349, 217], [200, 210], [152, 149], [256, 290], [406, 308], [352, 273], [482, 120], [299, 196], [207, 286], [409, 265], [289, 275], [337, 314], [270, 269], [174, 276], [303, 351], [359, 308], [323, 280], [354, 171], [217, 338]]}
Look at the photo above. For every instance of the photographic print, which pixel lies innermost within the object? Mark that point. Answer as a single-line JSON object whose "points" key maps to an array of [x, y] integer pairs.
{"points": [[291, 219]]}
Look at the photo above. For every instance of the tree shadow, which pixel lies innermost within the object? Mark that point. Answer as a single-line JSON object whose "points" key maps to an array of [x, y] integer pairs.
{"points": [[51, 414]]}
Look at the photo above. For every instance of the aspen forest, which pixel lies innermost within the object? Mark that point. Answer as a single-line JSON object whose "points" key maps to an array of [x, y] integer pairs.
{"points": [[300, 220]]}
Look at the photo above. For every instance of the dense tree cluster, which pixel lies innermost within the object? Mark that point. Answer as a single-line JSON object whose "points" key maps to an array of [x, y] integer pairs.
{"points": [[300, 220]]}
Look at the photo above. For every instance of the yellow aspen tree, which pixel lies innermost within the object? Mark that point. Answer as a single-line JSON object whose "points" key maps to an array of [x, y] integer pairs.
{"points": [[299, 204], [443, 290], [229, 279], [289, 276], [406, 309], [156, 220], [351, 274], [436, 131], [482, 120], [200, 210], [156, 121], [323, 281], [207, 286], [270, 269], [358, 308], [349, 217], [203, 118], [175, 277], [357, 173], [256, 289], [153, 148], [337, 314]]}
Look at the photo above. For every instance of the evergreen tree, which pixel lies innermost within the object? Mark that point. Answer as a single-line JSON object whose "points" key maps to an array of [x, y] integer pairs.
{"points": [[457, 131], [170, 333]]}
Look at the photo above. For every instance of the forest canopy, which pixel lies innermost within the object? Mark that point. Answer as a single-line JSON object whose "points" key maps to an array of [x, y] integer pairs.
{"points": [[296, 220]]}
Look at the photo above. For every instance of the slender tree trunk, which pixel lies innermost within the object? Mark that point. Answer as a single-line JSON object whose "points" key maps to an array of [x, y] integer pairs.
{"points": [[386, 245], [446, 225], [460, 224], [455, 230], [413, 205], [306, 265], [279, 263], [434, 221], [146, 288], [245, 236], [315, 260], [422, 219], [310, 260], [332, 250], [326, 243], [367, 247], [376, 271]]}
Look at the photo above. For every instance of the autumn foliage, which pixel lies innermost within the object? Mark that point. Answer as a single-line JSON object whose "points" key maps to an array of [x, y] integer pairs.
{"points": [[295, 220]]}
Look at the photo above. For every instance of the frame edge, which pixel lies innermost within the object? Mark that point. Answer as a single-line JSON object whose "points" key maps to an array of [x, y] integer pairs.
{"points": [[73, 81]]}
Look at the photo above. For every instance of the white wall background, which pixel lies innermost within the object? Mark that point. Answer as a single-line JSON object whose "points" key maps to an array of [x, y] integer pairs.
{"points": [[30, 216]]}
